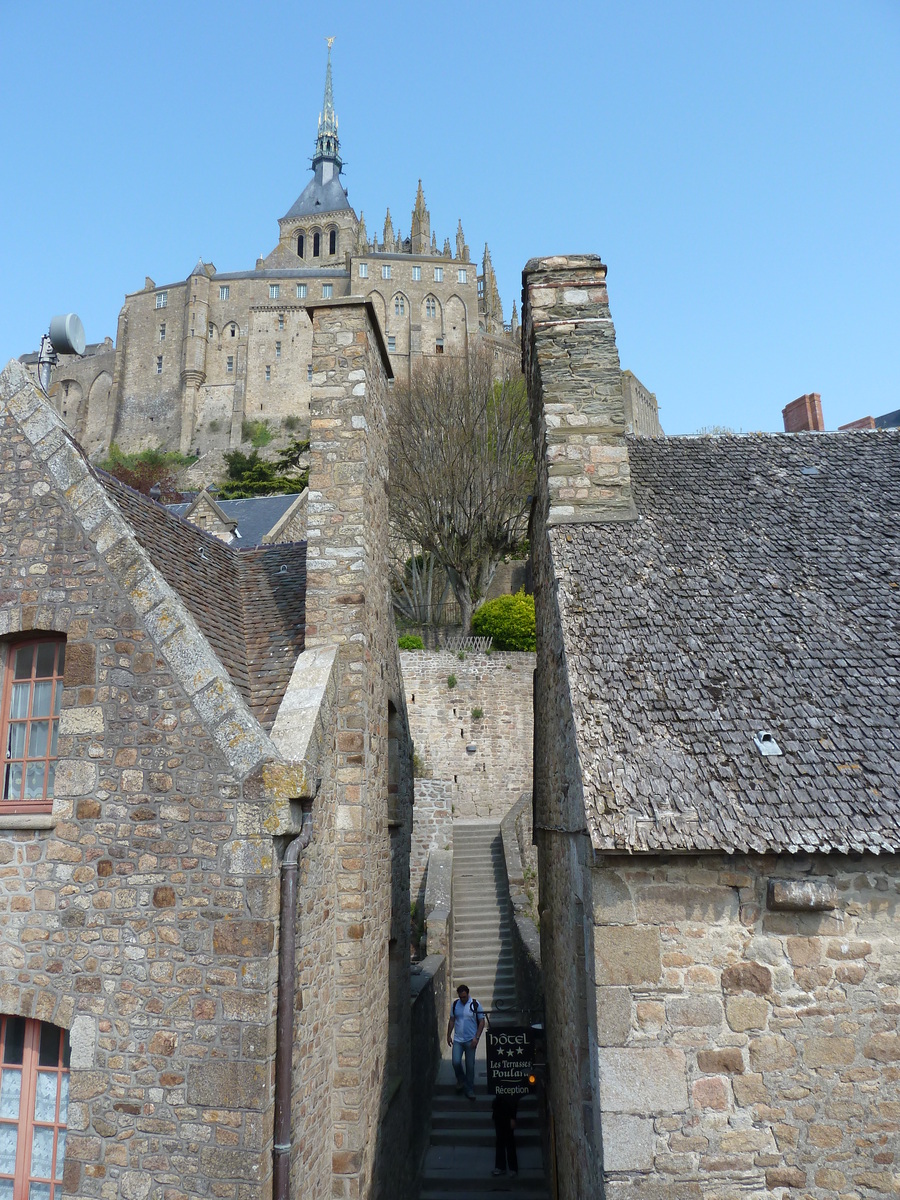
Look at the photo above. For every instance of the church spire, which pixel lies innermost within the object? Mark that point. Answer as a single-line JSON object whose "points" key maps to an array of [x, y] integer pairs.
{"points": [[327, 144]]}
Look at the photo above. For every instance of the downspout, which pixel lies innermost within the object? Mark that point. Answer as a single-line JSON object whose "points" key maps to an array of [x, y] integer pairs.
{"points": [[284, 1028]]}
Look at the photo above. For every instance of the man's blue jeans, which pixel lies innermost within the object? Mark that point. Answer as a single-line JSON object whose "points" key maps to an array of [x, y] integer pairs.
{"points": [[466, 1080]]}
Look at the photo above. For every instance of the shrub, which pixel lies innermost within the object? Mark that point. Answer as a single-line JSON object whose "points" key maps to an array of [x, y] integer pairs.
{"points": [[410, 641], [477, 714], [291, 422], [257, 433], [509, 620], [451, 681]]}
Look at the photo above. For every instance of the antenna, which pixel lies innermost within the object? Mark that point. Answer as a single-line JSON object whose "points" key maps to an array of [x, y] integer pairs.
{"points": [[66, 336]]}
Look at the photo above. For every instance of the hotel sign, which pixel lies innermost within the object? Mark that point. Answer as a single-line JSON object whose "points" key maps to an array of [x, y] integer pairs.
{"points": [[510, 1061]]}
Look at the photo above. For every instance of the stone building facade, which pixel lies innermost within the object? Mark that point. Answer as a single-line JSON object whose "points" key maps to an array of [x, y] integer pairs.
{"points": [[194, 359], [716, 800], [210, 707]]}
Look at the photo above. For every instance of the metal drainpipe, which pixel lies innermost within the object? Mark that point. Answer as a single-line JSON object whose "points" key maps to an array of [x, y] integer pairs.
{"points": [[284, 1028]]}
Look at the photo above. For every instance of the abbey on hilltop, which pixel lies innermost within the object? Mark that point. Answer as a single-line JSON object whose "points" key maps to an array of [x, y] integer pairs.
{"points": [[194, 360]]}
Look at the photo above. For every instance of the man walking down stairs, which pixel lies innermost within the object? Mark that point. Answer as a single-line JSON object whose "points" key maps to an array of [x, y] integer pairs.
{"points": [[460, 1159]]}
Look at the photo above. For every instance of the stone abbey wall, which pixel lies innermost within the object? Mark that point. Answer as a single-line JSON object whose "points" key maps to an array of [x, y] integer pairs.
{"points": [[489, 780]]}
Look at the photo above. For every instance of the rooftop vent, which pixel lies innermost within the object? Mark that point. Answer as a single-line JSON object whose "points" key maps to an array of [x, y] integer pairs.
{"points": [[765, 743]]}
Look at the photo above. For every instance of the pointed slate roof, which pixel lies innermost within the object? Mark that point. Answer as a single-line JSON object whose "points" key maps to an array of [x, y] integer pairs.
{"points": [[324, 193]]}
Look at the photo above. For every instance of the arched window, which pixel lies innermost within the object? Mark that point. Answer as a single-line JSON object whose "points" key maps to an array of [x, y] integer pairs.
{"points": [[332, 242], [301, 245], [399, 305], [317, 245], [32, 693], [430, 306], [35, 1090]]}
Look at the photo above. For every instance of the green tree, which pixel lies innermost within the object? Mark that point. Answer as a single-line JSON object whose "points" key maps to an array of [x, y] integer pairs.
{"points": [[509, 620], [461, 468], [250, 475]]}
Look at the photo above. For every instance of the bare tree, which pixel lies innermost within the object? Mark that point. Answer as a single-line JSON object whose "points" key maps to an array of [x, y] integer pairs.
{"points": [[461, 468]]}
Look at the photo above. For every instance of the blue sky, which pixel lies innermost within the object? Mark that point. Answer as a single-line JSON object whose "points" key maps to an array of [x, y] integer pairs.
{"points": [[735, 164]]}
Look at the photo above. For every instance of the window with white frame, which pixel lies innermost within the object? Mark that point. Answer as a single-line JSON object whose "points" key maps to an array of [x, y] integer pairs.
{"points": [[211, 331], [364, 270], [438, 274], [301, 291], [274, 291], [159, 364], [327, 291], [162, 332], [162, 299], [309, 372], [280, 321], [278, 349], [417, 273], [224, 291], [399, 305], [34, 1098], [430, 306], [386, 271], [392, 344], [268, 374], [462, 275], [229, 363]]}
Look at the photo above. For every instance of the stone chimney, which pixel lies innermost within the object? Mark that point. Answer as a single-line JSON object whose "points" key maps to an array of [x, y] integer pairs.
{"points": [[804, 414], [571, 365]]}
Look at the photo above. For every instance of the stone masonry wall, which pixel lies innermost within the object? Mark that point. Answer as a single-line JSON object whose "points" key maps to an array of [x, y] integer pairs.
{"points": [[348, 605], [748, 1045], [487, 782], [432, 830], [138, 914]]}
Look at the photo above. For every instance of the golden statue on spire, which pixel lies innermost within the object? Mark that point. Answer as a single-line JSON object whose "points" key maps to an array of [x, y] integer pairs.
{"points": [[330, 42]]}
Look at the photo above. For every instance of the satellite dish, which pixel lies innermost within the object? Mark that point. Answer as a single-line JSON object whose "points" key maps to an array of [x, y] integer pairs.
{"points": [[67, 334]]}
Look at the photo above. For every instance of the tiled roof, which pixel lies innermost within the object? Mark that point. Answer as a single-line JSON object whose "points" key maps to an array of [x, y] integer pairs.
{"points": [[250, 605], [255, 516], [759, 590]]}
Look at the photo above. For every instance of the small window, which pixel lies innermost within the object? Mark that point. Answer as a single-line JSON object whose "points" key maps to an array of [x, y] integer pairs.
{"points": [[364, 270], [268, 374], [35, 1089], [280, 321], [438, 274], [430, 306], [327, 291], [274, 291], [233, 331], [159, 358], [224, 291], [211, 331], [162, 299], [386, 271], [317, 245], [229, 363], [278, 349], [301, 245], [399, 306], [162, 332], [32, 694], [462, 275], [332, 242], [309, 372], [439, 346], [392, 344], [301, 291], [417, 273]]}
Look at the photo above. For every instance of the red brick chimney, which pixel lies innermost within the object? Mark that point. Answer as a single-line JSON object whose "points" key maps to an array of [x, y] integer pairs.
{"points": [[804, 414], [861, 423]]}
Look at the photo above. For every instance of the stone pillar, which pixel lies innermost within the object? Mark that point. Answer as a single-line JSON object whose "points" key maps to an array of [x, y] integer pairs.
{"points": [[571, 364]]}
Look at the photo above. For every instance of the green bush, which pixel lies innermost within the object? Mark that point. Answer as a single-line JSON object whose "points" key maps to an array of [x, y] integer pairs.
{"points": [[410, 641], [509, 620], [451, 681]]}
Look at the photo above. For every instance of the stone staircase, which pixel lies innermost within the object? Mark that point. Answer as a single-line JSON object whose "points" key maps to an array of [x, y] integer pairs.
{"points": [[460, 1157]]}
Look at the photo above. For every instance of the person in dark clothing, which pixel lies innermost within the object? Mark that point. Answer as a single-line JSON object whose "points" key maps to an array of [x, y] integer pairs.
{"points": [[503, 1113]]}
